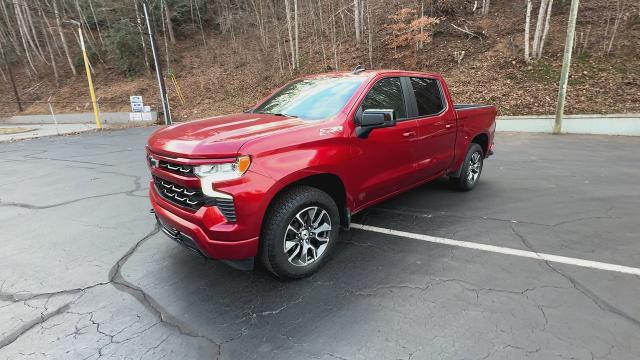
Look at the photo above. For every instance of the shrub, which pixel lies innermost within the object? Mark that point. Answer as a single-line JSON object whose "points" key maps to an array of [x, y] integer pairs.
{"points": [[125, 47], [407, 29], [78, 59]]}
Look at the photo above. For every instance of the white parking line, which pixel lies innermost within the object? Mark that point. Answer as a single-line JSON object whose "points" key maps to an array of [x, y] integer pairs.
{"points": [[504, 250]]}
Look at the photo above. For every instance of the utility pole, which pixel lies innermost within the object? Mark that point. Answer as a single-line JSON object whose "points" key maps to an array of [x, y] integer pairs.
{"points": [[13, 82], [154, 51], [566, 65], [92, 92]]}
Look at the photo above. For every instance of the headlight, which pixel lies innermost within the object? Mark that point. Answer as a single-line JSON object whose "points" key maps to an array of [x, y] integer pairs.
{"points": [[223, 171]]}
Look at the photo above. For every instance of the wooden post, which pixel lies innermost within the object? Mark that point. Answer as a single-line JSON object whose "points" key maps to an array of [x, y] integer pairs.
{"points": [[566, 65]]}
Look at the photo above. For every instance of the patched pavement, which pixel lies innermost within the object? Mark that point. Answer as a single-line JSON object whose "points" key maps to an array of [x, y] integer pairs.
{"points": [[85, 274]]}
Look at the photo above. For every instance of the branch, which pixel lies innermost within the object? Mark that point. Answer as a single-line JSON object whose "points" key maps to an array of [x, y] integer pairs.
{"points": [[472, 34]]}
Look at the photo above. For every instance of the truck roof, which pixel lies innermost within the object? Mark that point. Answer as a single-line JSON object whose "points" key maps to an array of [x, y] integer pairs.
{"points": [[373, 73]]}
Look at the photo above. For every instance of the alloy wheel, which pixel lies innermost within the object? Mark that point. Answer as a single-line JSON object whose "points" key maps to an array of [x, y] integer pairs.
{"points": [[307, 236], [475, 166]]}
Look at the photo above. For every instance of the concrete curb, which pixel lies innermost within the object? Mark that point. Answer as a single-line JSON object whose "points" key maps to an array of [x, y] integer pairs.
{"points": [[596, 124], [82, 118]]}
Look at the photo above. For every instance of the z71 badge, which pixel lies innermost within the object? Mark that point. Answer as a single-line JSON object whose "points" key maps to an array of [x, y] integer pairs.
{"points": [[331, 130]]}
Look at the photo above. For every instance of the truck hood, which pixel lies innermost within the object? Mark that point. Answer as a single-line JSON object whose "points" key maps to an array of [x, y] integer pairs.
{"points": [[217, 137]]}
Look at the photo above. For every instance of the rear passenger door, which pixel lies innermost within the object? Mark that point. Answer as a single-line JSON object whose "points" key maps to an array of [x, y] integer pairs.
{"points": [[436, 126]]}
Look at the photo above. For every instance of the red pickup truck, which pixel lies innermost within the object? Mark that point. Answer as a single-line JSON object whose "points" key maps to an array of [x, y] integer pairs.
{"points": [[279, 181]]}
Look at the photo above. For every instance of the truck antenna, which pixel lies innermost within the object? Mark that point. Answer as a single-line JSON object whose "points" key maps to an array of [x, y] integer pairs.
{"points": [[358, 69]]}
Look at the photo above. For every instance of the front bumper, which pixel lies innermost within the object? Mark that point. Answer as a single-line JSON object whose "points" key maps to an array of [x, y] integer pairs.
{"points": [[225, 246]]}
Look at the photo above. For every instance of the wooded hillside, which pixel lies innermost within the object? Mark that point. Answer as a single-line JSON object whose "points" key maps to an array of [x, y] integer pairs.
{"points": [[223, 55]]}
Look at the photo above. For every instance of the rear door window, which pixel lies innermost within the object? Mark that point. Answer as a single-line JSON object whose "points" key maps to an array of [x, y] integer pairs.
{"points": [[386, 94], [428, 96]]}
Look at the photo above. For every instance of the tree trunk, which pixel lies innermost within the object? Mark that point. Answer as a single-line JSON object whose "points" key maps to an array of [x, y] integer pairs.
{"points": [[485, 7], [33, 31], [167, 13], [204, 40], [356, 20], [322, 31], [24, 36], [527, 30], [95, 20], [62, 38], [370, 30], [546, 30], [49, 29], [287, 7], [295, 16], [537, 37], [144, 43], [23, 29], [10, 27], [54, 66]]}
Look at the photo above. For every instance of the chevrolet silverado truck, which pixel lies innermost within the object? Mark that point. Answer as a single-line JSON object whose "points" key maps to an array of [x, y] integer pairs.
{"points": [[279, 181]]}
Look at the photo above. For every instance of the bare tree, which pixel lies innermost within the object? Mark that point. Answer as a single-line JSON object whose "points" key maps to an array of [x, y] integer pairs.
{"points": [[620, 6], [62, 38], [527, 29], [10, 27], [167, 12], [287, 5], [545, 32], [295, 16], [95, 21], [542, 26], [485, 7], [144, 43], [356, 20], [370, 31]]}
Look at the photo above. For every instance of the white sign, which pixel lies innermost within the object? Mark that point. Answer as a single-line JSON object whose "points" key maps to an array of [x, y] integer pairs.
{"points": [[136, 103], [146, 109]]}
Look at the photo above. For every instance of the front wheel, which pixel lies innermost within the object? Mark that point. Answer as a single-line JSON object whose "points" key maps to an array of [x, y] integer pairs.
{"points": [[300, 229], [471, 169]]}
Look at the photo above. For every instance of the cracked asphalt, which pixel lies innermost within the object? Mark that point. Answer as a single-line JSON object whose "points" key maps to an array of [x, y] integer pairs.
{"points": [[85, 274]]}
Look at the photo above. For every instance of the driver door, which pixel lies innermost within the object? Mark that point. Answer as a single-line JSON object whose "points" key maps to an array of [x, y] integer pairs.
{"points": [[385, 162]]}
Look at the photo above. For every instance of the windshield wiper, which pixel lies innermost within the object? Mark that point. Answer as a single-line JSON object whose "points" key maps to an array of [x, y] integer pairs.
{"points": [[278, 114]]}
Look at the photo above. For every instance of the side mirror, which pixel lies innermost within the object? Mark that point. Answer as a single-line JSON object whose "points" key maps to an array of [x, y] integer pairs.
{"points": [[370, 119]]}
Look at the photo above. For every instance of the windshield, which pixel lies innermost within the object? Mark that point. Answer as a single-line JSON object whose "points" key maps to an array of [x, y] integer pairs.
{"points": [[312, 99]]}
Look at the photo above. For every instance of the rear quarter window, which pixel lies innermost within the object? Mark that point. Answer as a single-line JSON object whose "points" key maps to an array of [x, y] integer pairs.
{"points": [[428, 96]]}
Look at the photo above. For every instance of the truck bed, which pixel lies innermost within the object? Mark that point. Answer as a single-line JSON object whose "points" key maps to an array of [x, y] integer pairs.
{"points": [[469, 106]]}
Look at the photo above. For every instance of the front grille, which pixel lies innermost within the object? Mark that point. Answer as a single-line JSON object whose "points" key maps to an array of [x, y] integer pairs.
{"points": [[193, 199], [179, 195], [180, 169]]}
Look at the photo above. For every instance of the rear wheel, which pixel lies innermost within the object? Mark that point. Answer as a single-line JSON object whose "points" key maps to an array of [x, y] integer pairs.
{"points": [[300, 229], [471, 169]]}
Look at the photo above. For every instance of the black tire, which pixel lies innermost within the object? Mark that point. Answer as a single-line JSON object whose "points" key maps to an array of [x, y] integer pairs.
{"points": [[466, 181], [282, 213]]}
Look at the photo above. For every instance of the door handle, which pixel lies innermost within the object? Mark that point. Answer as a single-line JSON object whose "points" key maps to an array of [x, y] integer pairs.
{"points": [[409, 134], [448, 126]]}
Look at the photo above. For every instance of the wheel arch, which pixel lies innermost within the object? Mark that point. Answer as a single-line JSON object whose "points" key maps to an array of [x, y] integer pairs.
{"points": [[330, 183], [481, 139]]}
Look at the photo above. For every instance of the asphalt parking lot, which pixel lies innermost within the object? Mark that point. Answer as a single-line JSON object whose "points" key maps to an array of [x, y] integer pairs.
{"points": [[84, 273]]}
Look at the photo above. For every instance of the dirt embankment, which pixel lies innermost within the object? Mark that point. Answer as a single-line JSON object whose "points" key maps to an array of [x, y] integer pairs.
{"points": [[228, 76]]}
